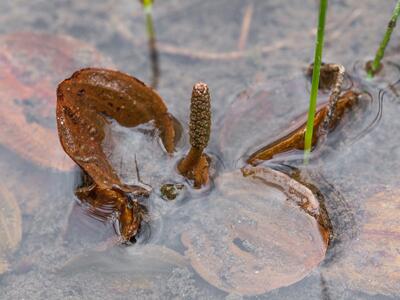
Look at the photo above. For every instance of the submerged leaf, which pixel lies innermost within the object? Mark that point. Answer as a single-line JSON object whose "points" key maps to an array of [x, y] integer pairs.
{"points": [[31, 65], [372, 262], [10, 226], [260, 232], [264, 111], [294, 140]]}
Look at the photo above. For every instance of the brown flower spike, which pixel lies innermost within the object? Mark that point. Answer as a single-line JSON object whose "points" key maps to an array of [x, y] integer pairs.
{"points": [[195, 165]]}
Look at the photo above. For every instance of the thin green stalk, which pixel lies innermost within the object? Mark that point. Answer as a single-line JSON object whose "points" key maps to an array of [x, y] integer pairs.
{"points": [[319, 44], [375, 66], [148, 9]]}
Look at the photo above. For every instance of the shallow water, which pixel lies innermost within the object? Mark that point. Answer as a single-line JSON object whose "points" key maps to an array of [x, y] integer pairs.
{"points": [[64, 253]]}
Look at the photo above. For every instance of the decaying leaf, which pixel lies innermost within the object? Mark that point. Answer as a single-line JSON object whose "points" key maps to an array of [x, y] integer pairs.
{"points": [[294, 140], [372, 261], [10, 226], [31, 65], [89, 105], [276, 107], [259, 232], [86, 104]]}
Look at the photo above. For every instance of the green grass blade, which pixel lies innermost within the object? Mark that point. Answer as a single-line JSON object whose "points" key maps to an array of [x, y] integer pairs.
{"points": [[374, 67], [148, 7], [315, 78], [153, 52]]}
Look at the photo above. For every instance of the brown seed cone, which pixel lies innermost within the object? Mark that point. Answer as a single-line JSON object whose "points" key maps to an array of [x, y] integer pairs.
{"points": [[200, 116], [195, 165]]}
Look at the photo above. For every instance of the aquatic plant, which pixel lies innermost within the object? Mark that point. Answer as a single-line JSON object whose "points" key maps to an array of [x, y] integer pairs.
{"points": [[151, 35], [374, 66], [148, 10], [195, 165], [315, 78], [326, 119], [98, 109]]}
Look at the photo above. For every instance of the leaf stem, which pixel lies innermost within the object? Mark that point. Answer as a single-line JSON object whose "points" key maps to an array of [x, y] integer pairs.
{"points": [[315, 78], [375, 66]]}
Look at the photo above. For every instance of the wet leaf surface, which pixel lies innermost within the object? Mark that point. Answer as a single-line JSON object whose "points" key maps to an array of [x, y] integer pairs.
{"points": [[371, 262], [260, 109], [250, 111], [254, 236], [90, 101], [10, 226], [294, 140], [31, 65], [101, 114]]}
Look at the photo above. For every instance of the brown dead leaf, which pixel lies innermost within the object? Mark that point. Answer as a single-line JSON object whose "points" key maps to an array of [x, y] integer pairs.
{"points": [[89, 105], [273, 107], [294, 140], [89, 101]]}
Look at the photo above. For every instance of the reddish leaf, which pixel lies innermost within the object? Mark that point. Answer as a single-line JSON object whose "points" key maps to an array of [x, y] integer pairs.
{"points": [[89, 100], [276, 107], [294, 140], [88, 104], [258, 233], [31, 65]]}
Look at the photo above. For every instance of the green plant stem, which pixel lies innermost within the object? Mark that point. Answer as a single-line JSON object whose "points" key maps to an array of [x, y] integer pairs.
{"points": [[148, 7], [376, 64], [148, 10], [315, 78]]}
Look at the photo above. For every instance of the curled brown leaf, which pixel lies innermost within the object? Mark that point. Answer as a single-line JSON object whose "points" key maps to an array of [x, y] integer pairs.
{"points": [[87, 104]]}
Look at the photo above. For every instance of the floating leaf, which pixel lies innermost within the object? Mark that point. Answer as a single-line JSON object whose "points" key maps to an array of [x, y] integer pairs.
{"points": [[100, 114], [10, 226], [87, 104], [31, 65], [262, 233], [372, 261]]}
